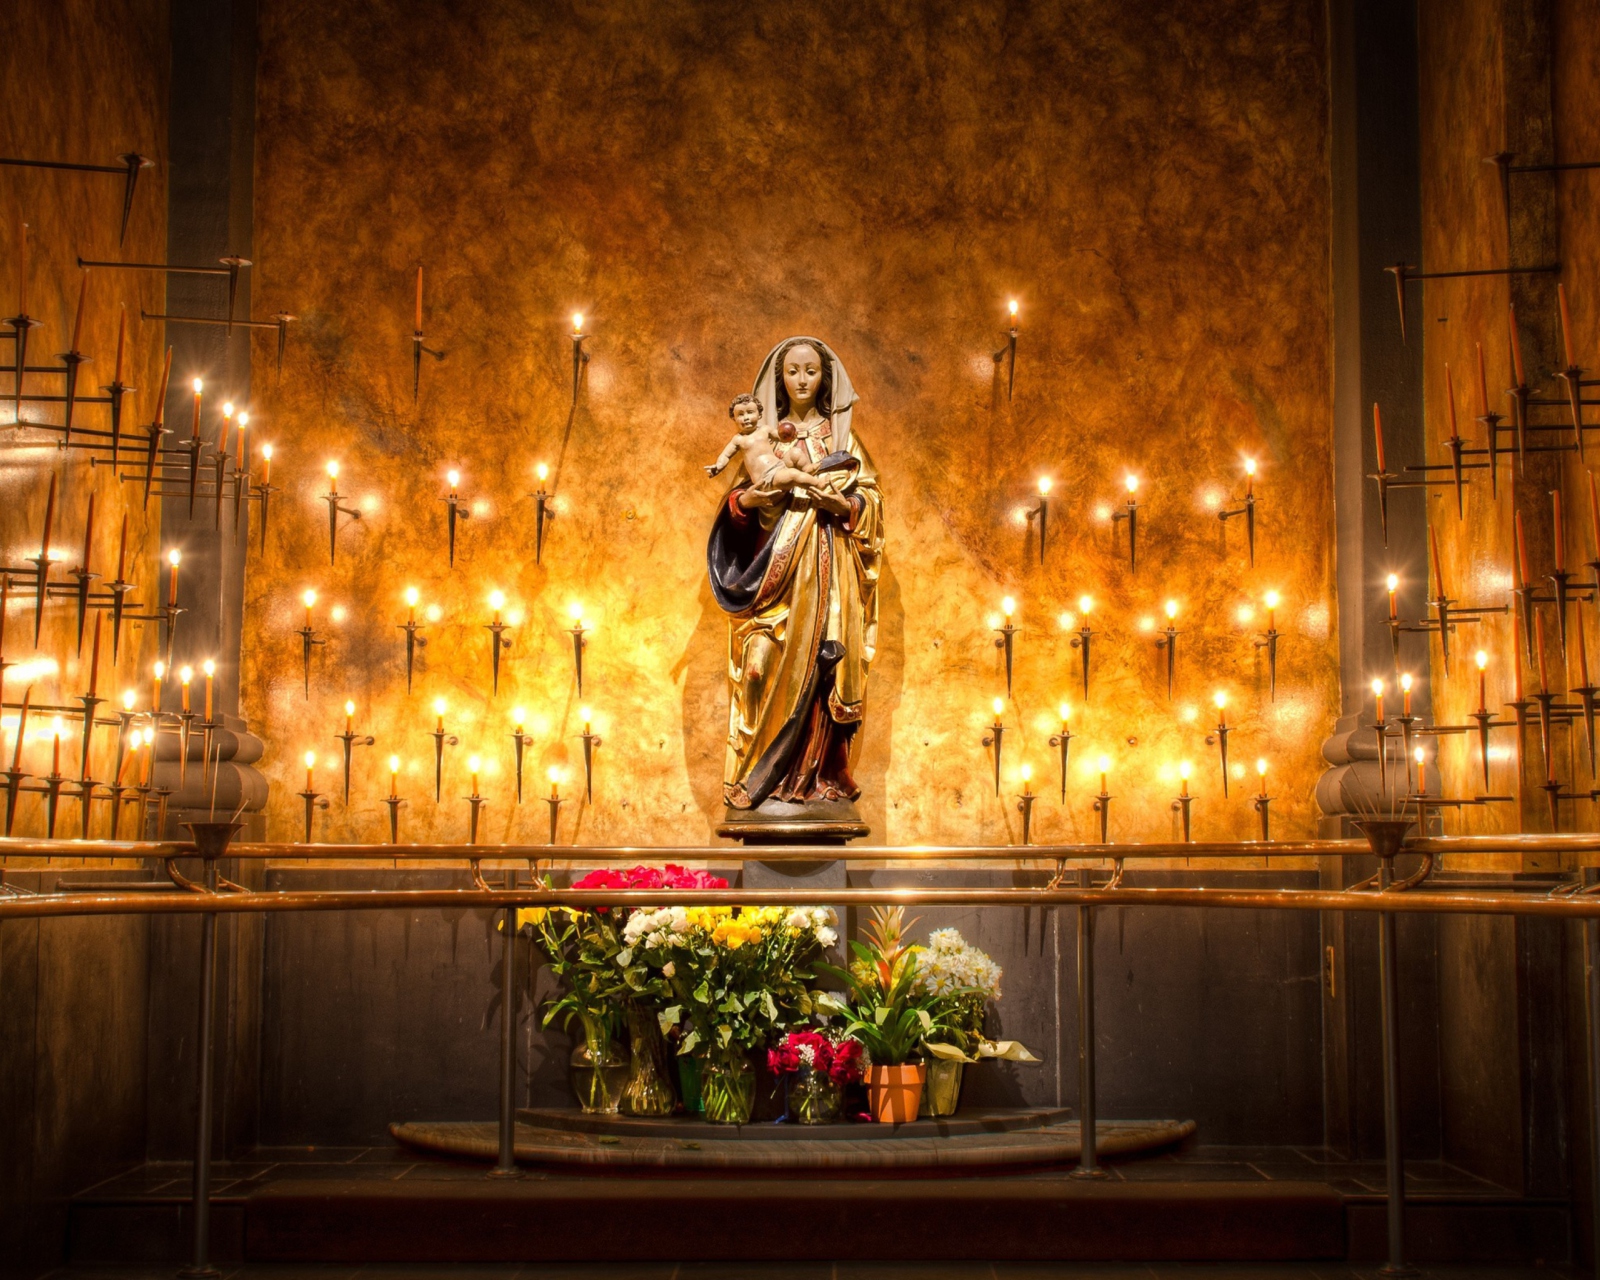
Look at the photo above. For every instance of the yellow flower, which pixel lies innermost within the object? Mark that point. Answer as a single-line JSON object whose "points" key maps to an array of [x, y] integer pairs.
{"points": [[531, 915]]}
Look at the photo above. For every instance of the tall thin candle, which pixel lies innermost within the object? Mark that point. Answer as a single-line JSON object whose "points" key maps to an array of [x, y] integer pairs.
{"points": [[1566, 324], [22, 730], [197, 385], [1516, 656], [1560, 531], [1377, 434], [94, 657], [161, 396], [122, 341], [83, 293], [1483, 384], [1516, 350], [1450, 401], [1538, 644]]}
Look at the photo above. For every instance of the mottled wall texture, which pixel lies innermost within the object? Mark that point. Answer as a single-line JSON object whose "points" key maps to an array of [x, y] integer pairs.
{"points": [[1148, 180]]}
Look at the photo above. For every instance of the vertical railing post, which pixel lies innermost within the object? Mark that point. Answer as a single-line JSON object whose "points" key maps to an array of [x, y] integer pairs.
{"points": [[1088, 1156], [200, 1267], [1591, 989], [506, 1166]]}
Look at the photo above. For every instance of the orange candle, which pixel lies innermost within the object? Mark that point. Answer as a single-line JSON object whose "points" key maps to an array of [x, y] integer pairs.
{"points": [[1377, 698], [55, 758], [155, 697], [1561, 301], [94, 658], [1450, 401], [210, 668], [1483, 687], [1394, 608], [1483, 385], [349, 717], [1377, 435], [174, 557], [1538, 644], [1516, 350], [311, 763], [266, 465], [1261, 768], [1405, 696], [394, 777], [197, 386], [418, 325], [83, 294], [185, 675], [122, 340], [1560, 531], [1516, 656], [22, 730], [227, 422]]}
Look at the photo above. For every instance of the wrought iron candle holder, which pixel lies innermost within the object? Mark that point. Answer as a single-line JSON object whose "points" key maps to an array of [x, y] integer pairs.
{"points": [[52, 784], [1247, 510], [1168, 641], [1081, 641], [128, 170], [520, 741], [1102, 802], [350, 740], [1062, 742], [497, 640], [42, 562], [1182, 801], [1007, 354], [580, 357], [1005, 635], [1262, 804], [1268, 640], [475, 800], [543, 512], [454, 512], [83, 573], [308, 641], [1041, 513], [580, 640], [1025, 804], [263, 492], [313, 798], [1130, 513], [554, 800], [335, 501], [441, 739], [1220, 736], [393, 800], [414, 639], [995, 737], [591, 740]]}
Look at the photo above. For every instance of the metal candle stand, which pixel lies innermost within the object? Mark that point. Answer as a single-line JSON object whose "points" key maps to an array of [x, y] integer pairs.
{"points": [[1219, 736], [350, 741], [1268, 640], [555, 802], [130, 168], [1005, 639], [314, 800], [1168, 641], [414, 641], [1025, 808], [308, 641], [477, 802], [579, 642], [1062, 742], [394, 802], [1007, 355], [497, 641], [1248, 511], [542, 513], [580, 357], [1180, 805], [521, 740], [995, 737], [333, 498], [453, 513], [440, 740], [1262, 804], [1080, 642], [590, 742], [1102, 806], [1130, 513]]}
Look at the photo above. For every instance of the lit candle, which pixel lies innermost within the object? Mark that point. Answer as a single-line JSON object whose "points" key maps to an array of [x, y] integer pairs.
{"points": [[1450, 401], [309, 597], [1065, 711], [149, 755], [210, 669], [1133, 485], [454, 479], [1560, 531], [577, 324], [1249, 477], [1184, 770], [1422, 772], [55, 759], [1105, 768], [999, 706], [1012, 308], [155, 698], [497, 602], [1561, 301], [555, 783], [227, 422], [1482, 659], [1405, 695], [1272, 610], [83, 293], [1394, 585], [1377, 698], [518, 716], [1172, 610], [394, 776], [473, 764], [1044, 486], [1483, 384], [575, 611], [438, 711], [1085, 604], [311, 763], [22, 730], [542, 472], [583, 714], [174, 559], [1027, 779], [94, 658], [1538, 644], [1221, 699], [266, 465], [333, 478], [122, 342], [1261, 771], [412, 596], [243, 452], [185, 675], [1008, 606], [197, 385], [1516, 350], [1377, 435], [417, 327], [129, 697], [349, 717]]}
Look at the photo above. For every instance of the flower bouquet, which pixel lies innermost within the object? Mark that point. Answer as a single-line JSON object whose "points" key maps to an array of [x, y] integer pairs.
{"points": [[737, 980], [815, 1069]]}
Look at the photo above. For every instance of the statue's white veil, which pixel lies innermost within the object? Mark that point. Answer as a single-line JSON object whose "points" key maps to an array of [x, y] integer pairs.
{"points": [[844, 395]]}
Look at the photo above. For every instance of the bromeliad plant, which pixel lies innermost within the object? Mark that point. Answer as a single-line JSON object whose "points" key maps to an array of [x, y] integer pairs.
{"points": [[893, 1018]]}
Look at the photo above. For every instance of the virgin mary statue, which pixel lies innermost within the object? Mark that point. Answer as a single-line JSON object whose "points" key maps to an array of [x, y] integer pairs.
{"points": [[796, 571]]}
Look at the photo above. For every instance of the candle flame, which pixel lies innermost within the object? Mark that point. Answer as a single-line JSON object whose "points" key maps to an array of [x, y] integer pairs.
{"points": [[394, 764], [1044, 486], [1249, 466], [577, 322], [999, 706], [1220, 698], [1085, 604], [575, 610], [412, 596], [209, 666], [1172, 608], [1012, 307], [1008, 606], [1105, 764], [1417, 755], [554, 774], [1026, 772], [266, 452], [1272, 599], [473, 764], [128, 699], [497, 600], [198, 384], [1482, 659], [1405, 682], [186, 674], [1393, 581], [310, 597], [174, 557], [518, 715], [311, 759], [1261, 767], [438, 706], [1185, 769], [244, 418], [332, 469], [349, 708], [1066, 711], [1377, 688], [1132, 482], [454, 477], [160, 670], [56, 726], [227, 409], [542, 471], [149, 736]]}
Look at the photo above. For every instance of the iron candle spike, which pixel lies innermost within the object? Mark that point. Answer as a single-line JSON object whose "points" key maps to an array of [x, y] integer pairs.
{"points": [[1221, 735], [1080, 642], [186, 721], [497, 641], [995, 737], [414, 640], [1262, 805], [14, 780], [453, 512], [1485, 719], [84, 793], [42, 561], [73, 360], [1102, 806], [52, 801], [521, 740], [1168, 640], [1008, 353], [313, 801], [1025, 808], [394, 802], [308, 639], [263, 494], [334, 498], [440, 740], [83, 573], [1248, 510], [579, 642], [477, 802], [580, 357], [1181, 803], [1005, 637], [590, 742], [90, 702], [20, 325], [350, 740], [542, 511], [555, 802], [1130, 513], [1042, 514], [1062, 742], [1269, 642]]}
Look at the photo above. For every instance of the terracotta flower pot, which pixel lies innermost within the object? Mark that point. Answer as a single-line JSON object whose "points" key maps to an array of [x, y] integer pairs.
{"points": [[894, 1094]]}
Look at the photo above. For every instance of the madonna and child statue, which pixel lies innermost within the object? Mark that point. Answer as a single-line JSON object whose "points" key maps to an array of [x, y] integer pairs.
{"points": [[794, 556]]}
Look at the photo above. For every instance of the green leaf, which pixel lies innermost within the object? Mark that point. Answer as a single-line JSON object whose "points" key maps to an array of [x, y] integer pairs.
{"points": [[689, 1042], [625, 957], [668, 1017]]}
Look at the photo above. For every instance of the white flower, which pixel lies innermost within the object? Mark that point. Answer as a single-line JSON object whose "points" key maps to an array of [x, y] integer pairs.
{"points": [[826, 936], [669, 969]]}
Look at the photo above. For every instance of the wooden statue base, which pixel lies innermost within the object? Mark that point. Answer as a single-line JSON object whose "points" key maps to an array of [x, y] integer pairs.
{"points": [[824, 822]]}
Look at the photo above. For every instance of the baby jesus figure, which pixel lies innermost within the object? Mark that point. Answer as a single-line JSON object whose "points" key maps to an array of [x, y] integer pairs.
{"points": [[773, 457]]}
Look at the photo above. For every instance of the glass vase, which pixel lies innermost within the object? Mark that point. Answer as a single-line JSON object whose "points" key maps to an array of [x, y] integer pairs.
{"points": [[814, 1097], [943, 1092], [649, 1089], [600, 1070], [727, 1089]]}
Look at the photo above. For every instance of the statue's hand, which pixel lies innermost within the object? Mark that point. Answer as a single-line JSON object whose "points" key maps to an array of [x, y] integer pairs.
{"points": [[831, 502], [754, 497], [712, 468]]}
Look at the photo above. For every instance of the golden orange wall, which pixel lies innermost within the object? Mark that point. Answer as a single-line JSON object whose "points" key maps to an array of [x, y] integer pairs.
{"points": [[104, 92], [1149, 180]]}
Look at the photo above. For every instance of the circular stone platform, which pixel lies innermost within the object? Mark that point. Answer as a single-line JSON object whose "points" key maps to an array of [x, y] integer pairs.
{"points": [[987, 1138]]}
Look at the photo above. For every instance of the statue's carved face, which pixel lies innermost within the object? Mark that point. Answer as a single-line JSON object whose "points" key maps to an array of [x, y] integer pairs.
{"points": [[802, 372]]}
